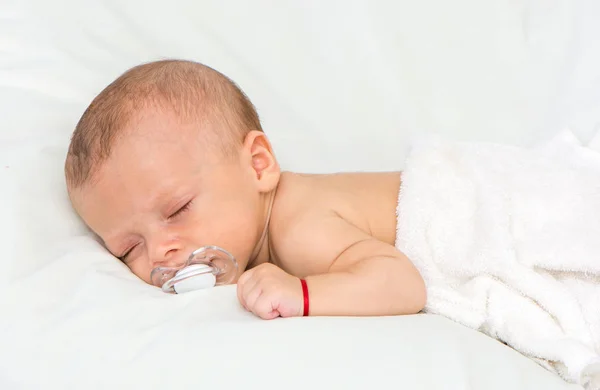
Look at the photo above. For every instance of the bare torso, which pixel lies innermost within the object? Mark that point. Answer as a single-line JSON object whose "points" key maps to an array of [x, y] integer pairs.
{"points": [[367, 201], [337, 233]]}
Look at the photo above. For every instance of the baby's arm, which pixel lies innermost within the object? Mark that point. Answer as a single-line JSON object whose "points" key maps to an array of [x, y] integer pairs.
{"points": [[347, 271], [365, 276]]}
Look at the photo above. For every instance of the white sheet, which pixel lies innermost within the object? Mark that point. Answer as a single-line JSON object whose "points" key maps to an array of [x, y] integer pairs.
{"points": [[74, 317], [339, 86]]}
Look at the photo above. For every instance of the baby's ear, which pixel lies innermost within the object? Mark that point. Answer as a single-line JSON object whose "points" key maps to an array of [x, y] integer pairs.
{"points": [[263, 163]]}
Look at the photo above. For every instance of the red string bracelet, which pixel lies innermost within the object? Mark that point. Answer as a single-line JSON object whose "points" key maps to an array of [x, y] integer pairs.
{"points": [[305, 295]]}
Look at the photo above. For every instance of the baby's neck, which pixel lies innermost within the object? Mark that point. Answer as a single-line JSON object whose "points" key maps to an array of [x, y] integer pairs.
{"points": [[263, 255], [262, 252]]}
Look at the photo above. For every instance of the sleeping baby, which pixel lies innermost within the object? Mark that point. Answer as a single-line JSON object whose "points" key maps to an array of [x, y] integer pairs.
{"points": [[171, 156]]}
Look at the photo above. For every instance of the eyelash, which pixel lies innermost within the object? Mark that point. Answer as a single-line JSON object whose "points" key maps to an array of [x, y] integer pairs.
{"points": [[124, 256], [183, 209]]}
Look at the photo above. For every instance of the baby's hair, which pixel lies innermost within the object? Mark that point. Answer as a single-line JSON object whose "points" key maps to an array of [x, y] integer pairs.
{"points": [[193, 91]]}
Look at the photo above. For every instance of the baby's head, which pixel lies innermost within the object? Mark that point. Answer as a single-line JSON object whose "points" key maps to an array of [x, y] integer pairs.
{"points": [[170, 157]]}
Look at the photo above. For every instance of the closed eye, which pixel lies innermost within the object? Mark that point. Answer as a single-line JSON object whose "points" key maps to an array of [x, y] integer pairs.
{"points": [[181, 210], [123, 257]]}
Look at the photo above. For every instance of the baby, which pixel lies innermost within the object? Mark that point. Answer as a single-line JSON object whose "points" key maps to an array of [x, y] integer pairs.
{"points": [[171, 156]]}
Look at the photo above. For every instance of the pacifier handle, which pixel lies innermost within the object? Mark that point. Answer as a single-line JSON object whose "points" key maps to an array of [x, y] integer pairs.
{"points": [[192, 277]]}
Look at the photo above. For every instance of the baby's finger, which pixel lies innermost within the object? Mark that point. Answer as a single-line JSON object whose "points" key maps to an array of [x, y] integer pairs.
{"points": [[245, 276], [240, 295], [242, 285], [264, 308], [251, 295]]}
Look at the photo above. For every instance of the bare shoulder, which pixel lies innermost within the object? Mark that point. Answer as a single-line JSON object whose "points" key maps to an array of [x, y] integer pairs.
{"points": [[315, 217]]}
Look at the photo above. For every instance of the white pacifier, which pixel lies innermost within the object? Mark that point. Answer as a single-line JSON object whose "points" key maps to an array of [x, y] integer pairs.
{"points": [[206, 267]]}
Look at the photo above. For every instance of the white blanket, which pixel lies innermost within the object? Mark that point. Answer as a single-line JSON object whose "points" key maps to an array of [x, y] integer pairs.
{"points": [[508, 242]]}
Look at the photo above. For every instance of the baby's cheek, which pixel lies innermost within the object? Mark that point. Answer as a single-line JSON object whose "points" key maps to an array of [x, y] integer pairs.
{"points": [[140, 270]]}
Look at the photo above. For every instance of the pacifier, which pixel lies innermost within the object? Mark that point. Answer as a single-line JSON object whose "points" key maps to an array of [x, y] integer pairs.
{"points": [[206, 267]]}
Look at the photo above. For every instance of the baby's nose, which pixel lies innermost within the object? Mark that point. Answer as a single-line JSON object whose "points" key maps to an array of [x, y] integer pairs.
{"points": [[168, 256]]}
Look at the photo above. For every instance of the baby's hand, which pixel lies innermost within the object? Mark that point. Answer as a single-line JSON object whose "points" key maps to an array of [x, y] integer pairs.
{"points": [[269, 292]]}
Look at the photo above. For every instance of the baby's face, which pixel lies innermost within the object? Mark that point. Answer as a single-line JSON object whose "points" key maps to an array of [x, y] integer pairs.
{"points": [[163, 193]]}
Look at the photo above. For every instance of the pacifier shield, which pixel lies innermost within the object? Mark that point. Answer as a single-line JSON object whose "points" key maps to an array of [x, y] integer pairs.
{"points": [[222, 261]]}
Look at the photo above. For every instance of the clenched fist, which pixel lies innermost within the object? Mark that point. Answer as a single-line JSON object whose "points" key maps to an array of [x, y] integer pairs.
{"points": [[270, 292]]}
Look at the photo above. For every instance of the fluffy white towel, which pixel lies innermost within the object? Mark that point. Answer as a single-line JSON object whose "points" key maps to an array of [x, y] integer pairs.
{"points": [[508, 242]]}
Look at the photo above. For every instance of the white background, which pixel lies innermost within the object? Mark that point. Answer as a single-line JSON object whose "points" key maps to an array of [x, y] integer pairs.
{"points": [[340, 86]]}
